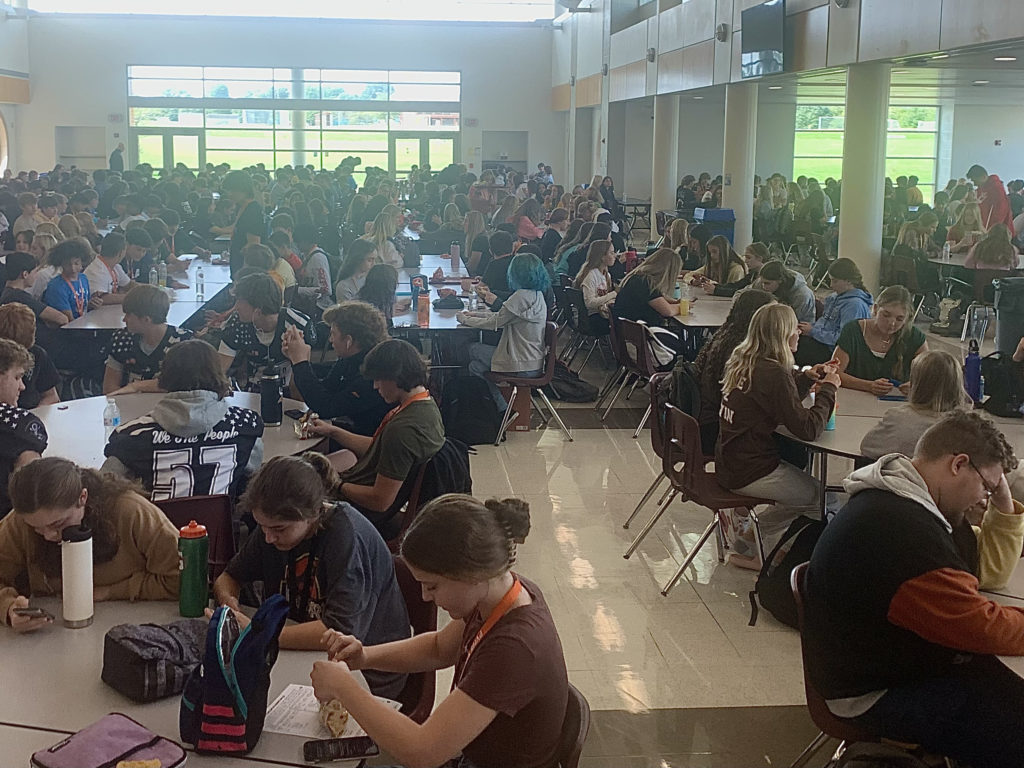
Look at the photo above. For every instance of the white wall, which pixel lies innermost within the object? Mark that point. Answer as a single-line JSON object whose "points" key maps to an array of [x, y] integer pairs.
{"points": [[14, 44], [498, 95], [701, 137], [975, 131], [638, 149], [584, 146]]}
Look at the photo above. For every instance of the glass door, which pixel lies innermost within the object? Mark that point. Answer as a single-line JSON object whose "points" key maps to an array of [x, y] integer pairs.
{"points": [[409, 149], [166, 147]]}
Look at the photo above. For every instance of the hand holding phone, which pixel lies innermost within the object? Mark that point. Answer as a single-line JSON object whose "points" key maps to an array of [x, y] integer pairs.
{"points": [[326, 750], [22, 618]]}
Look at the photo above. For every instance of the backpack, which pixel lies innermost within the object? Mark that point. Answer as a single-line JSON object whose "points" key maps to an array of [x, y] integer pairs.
{"points": [[224, 702], [772, 589], [447, 472], [146, 662], [1004, 385], [568, 387], [468, 411], [684, 388], [869, 755]]}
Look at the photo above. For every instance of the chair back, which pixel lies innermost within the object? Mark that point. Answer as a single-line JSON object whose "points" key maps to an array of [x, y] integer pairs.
{"points": [[682, 459], [407, 504], [636, 345], [575, 727], [214, 512], [417, 696], [565, 281], [659, 399], [578, 314]]}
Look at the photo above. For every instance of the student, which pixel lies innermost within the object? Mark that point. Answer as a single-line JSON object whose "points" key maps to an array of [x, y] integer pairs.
{"points": [[22, 435], [848, 301], [476, 243], [249, 226], [323, 556], [527, 220], [107, 279], [558, 225], [645, 293], [510, 690], [761, 391], [251, 344], [936, 388], [876, 352], [790, 288], [315, 289], [280, 247], [18, 323], [596, 283], [23, 240], [360, 257], [994, 251], [521, 319], [137, 259], [30, 217], [343, 393], [20, 268], [711, 359], [137, 350], [573, 259], [192, 443], [754, 257], [41, 248], [411, 433], [968, 228], [992, 199], [696, 254], [723, 264], [134, 545], [379, 290], [68, 292], [380, 235], [261, 259], [905, 644], [494, 281]]}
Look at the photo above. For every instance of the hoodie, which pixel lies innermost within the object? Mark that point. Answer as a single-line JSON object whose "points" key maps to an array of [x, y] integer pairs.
{"points": [[521, 318], [193, 443], [892, 589], [840, 309]]}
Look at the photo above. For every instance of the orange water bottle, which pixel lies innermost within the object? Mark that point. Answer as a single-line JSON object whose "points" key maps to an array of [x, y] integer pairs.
{"points": [[423, 310]]}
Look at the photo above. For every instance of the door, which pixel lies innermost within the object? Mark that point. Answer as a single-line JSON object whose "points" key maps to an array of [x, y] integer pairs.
{"points": [[409, 149], [166, 147]]}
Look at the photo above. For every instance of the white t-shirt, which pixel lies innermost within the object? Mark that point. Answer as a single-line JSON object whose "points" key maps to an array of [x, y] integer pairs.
{"points": [[43, 278], [101, 279], [591, 286]]}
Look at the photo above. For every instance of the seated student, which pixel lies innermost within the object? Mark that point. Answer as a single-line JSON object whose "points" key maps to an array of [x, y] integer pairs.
{"points": [[596, 283], [137, 350], [994, 251], [134, 545], [23, 434], [192, 443], [20, 268], [280, 246], [380, 234], [343, 392], [521, 319], [41, 248], [23, 240], [68, 292], [261, 258], [410, 434], [848, 301], [644, 295], [30, 216], [754, 257], [132, 211], [137, 258], [315, 290], [789, 287], [251, 343], [876, 352], [711, 359], [107, 279], [508, 699], [323, 556], [904, 642], [761, 391], [285, 224], [558, 225], [494, 280], [360, 257], [723, 265], [379, 290], [936, 388], [18, 323]]}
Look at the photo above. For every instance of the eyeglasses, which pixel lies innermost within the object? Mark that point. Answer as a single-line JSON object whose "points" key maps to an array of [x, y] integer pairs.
{"points": [[989, 491]]}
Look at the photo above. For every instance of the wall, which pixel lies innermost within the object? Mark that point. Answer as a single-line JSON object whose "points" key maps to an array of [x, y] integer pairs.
{"points": [[701, 137], [104, 46], [776, 130], [975, 131], [637, 149]]}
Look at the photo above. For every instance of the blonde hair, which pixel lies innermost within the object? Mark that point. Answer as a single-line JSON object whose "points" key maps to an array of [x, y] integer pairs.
{"points": [[474, 226], [47, 228], [660, 270], [380, 233], [69, 225], [678, 233], [47, 242], [452, 215], [595, 260], [566, 201], [767, 339], [971, 208], [937, 383], [897, 294], [505, 210]]}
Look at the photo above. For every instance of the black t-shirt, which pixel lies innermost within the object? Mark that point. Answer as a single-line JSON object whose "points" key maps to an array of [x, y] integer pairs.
{"points": [[139, 270], [20, 431], [255, 351], [632, 301], [482, 244], [127, 354], [12, 295], [41, 379], [250, 222], [495, 276], [549, 243]]}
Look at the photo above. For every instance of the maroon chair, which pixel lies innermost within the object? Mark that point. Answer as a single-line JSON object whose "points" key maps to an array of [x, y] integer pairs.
{"points": [[215, 513], [633, 353], [417, 696], [658, 444], [575, 727], [411, 506]]}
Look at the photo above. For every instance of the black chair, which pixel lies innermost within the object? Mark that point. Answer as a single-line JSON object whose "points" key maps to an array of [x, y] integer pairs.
{"points": [[582, 326], [575, 727]]}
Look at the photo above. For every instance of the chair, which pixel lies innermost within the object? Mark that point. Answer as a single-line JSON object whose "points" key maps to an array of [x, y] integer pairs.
{"points": [[535, 385], [406, 505], [214, 512], [685, 465], [575, 727], [657, 442], [582, 329], [618, 354], [417, 696], [636, 360]]}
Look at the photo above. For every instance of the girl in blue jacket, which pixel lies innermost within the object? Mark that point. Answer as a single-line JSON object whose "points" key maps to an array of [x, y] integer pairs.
{"points": [[849, 301]]}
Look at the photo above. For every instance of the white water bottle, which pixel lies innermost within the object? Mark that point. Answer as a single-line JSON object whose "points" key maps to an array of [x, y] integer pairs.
{"points": [[154, 276], [76, 576], [111, 417], [456, 249], [200, 285], [946, 251]]}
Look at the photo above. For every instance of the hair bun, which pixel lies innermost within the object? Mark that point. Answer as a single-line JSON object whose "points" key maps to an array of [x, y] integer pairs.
{"points": [[323, 467], [513, 515]]}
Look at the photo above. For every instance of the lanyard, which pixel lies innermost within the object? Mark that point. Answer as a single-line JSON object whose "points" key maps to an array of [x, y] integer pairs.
{"points": [[302, 608], [395, 411], [496, 615], [79, 295], [113, 277]]}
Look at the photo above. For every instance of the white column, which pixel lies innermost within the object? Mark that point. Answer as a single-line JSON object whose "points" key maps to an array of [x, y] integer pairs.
{"points": [[570, 135], [666, 153], [298, 121], [738, 158], [860, 220]]}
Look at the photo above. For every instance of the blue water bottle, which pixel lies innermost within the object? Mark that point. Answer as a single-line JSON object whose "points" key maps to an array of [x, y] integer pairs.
{"points": [[972, 372]]}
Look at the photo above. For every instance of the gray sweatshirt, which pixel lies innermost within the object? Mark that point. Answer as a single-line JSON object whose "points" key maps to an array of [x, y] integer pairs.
{"points": [[898, 431], [522, 317]]}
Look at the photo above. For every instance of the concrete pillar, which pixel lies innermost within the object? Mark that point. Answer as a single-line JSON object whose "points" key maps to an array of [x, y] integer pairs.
{"points": [[665, 171], [570, 135], [738, 158], [860, 220]]}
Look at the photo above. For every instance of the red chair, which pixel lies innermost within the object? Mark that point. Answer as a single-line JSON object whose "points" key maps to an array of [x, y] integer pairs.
{"points": [[575, 727], [632, 347], [215, 513], [417, 696], [411, 505], [658, 444]]}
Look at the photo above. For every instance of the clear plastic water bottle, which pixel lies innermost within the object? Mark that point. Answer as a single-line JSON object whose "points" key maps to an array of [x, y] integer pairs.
{"points": [[946, 253], [154, 276], [111, 417], [200, 285], [162, 275]]}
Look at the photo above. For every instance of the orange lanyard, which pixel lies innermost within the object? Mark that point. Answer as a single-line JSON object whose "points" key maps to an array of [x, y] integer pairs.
{"points": [[79, 296], [113, 277], [395, 411], [496, 615]]}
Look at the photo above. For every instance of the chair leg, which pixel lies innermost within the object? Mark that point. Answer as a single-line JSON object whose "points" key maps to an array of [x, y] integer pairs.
{"points": [[587, 358], [691, 557], [810, 751], [757, 534], [617, 393], [645, 499], [507, 418], [632, 389], [643, 423], [544, 416], [554, 413], [608, 386], [650, 524]]}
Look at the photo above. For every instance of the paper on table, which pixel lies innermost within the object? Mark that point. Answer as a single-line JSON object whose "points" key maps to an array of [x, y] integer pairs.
{"points": [[296, 712]]}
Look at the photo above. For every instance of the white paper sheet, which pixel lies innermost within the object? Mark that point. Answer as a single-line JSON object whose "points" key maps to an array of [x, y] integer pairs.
{"points": [[296, 712]]}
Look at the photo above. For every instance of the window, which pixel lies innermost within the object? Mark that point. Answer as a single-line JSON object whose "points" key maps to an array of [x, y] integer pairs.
{"points": [[818, 143]]}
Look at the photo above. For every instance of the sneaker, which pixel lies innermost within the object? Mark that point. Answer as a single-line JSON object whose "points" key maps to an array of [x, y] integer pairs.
{"points": [[747, 563]]}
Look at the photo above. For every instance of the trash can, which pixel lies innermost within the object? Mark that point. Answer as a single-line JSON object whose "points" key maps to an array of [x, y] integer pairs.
{"points": [[721, 221], [1009, 313]]}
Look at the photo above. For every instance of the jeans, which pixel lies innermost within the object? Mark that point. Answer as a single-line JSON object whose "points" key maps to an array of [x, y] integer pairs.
{"points": [[480, 356], [974, 714], [794, 492]]}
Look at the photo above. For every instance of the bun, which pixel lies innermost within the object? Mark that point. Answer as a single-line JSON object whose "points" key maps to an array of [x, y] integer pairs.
{"points": [[323, 468], [513, 515]]}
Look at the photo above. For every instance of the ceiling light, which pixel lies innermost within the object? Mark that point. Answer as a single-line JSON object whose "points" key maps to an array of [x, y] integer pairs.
{"points": [[981, 82], [1005, 58], [774, 87], [941, 56], [698, 98]]}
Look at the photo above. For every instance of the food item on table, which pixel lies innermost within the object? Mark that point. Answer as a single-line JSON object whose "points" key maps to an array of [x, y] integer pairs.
{"points": [[304, 425], [334, 717], [139, 764]]}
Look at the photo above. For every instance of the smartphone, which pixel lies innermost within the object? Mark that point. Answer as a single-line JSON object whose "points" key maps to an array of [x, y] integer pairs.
{"points": [[294, 413], [34, 613], [326, 750]]}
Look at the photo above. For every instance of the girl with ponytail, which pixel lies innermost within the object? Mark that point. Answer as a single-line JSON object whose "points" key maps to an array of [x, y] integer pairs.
{"points": [[510, 690], [323, 556]]}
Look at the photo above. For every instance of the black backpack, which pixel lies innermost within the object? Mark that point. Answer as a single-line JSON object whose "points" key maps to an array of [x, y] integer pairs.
{"points": [[568, 387], [447, 472], [868, 755], [684, 388], [772, 589], [468, 411], [146, 662], [1004, 385]]}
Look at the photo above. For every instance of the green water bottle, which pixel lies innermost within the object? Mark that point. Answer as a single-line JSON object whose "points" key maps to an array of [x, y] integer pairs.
{"points": [[194, 549]]}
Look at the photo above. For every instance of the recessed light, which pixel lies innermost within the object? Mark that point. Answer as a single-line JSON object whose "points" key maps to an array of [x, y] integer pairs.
{"points": [[981, 82], [774, 87], [941, 56], [698, 98], [1005, 58]]}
